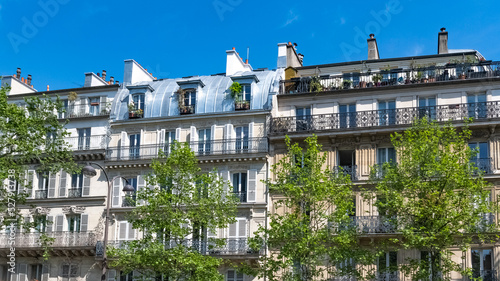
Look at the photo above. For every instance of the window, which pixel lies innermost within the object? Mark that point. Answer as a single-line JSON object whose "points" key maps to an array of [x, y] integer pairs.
{"points": [[65, 109], [84, 138], [36, 272], [138, 100], [246, 92], [387, 113], [94, 106], [135, 144], [76, 186], [169, 140], [70, 272], [233, 275], [476, 105], [303, 117], [240, 186], [129, 200], [43, 185], [427, 107], [241, 138], [347, 115], [50, 138], [481, 159], [386, 155], [189, 102], [73, 223], [424, 255], [126, 277], [387, 266], [40, 223], [204, 143], [482, 264]]}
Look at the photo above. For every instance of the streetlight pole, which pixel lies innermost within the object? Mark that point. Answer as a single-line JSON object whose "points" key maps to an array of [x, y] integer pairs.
{"points": [[90, 172]]}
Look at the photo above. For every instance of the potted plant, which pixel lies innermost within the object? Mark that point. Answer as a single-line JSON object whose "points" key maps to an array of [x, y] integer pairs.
{"points": [[131, 110], [181, 96], [347, 84], [235, 90], [420, 77], [376, 79], [315, 84], [72, 96]]}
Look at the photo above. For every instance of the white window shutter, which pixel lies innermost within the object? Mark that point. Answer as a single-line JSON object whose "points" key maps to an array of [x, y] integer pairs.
{"points": [[193, 138], [161, 138], [124, 142], [229, 137], [131, 231], [62, 184], [30, 183], [52, 185], [45, 271], [122, 232], [252, 185], [242, 228], [23, 272], [252, 143], [116, 192], [225, 177], [178, 134], [233, 230], [86, 186], [59, 223], [141, 183], [50, 224], [84, 222]]}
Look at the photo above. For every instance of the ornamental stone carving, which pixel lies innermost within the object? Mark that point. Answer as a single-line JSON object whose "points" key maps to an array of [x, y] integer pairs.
{"points": [[73, 210]]}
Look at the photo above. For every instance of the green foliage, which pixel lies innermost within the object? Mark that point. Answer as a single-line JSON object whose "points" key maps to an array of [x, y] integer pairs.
{"points": [[183, 202], [308, 233], [235, 90], [437, 198], [315, 84], [377, 77]]}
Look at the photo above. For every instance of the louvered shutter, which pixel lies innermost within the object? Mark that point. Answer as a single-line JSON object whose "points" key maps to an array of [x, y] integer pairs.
{"points": [[225, 177], [131, 231], [233, 230], [102, 105], [141, 183], [45, 271], [178, 134], [193, 138], [124, 147], [252, 143], [62, 184], [215, 146], [59, 223], [111, 275], [84, 222], [252, 185], [23, 272], [229, 138], [29, 184], [50, 224], [242, 228], [116, 193], [161, 138], [52, 185], [122, 231], [86, 186]]}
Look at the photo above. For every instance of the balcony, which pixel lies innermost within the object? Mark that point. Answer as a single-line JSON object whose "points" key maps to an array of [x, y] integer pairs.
{"points": [[232, 246], [207, 148], [390, 78], [187, 109], [86, 143], [242, 196], [74, 192], [40, 194], [128, 201], [369, 225], [486, 275], [242, 105], [86, 110], [483, 165], [62, 239], [383, 118], [351, 170]]}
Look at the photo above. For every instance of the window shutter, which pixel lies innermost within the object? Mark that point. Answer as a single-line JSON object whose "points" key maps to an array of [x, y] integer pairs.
{"points": [[141, 183], [131, 231], [29, 184], [45, 271], [193, 138], [225, 177], [229, 137], [124, 146], [116, 192], [231, 275], [252, 143], [59, 223], [23, 272], [52, 185], [242, 228], [50, 224], [161, 138], [233, 229], [111, 275], [252, 185], [86, 186], [62, 184], [26, 219], [84, 223], [122, 231], [178, 134]]}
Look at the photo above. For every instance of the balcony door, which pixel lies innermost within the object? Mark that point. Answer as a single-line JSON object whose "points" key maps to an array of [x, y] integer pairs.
{"points": [[346, 160], [74, 223], [135, 146], [84, 138], [387, 264], [347, 115], [427, 107], [240, 186], [241, 139], [481, 159], [482, 264], [204, 141], [303, 118], [387, 113], [476, 106]]}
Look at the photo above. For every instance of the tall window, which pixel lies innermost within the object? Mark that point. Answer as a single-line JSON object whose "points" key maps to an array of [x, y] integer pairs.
{"points": [[76, 185], [84, 139], [204, 142], [138, 101], [387, 113], [387, 266], [70, 271], [40, 223], [246, 90], [65, 109], [126, 277], [427, 107], [135, 145], [233, 275], [386, 155], [303, 118], [94, 106], [347, 115], [240, 186], [169, 140], [43, 185], [129, 199], [36, 272], [476, 105], [73, 223], [482, 264], [241, 138], [190, 101], [482, 158]]}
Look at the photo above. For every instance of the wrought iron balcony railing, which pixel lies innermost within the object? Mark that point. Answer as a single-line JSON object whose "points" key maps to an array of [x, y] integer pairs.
{"points": [[390, 78], [351, 170], [213, 147], [242, 196], [482, 164], [74, 192], [383, 118], [486, 275], [61, 239], [87, 142], [387, 276], [231, 246], [40, 194], [86, 110], [369, 225]]}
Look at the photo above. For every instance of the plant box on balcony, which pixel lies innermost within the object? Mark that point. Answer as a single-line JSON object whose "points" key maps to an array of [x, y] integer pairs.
{"points": [[94, 103], [132, 115], [187, 110], [241, 106]]}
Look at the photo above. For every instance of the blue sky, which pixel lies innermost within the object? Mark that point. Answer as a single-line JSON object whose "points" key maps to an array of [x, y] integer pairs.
{"points": [[57, 41]]}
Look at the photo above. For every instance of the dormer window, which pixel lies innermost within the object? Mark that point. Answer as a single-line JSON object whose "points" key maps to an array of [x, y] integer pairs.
{"points": [[187, 102], [136, 107]]}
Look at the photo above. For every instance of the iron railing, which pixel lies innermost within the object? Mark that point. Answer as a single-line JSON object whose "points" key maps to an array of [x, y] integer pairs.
{"points": [[74, 192], [482, 164], [486, 275], [390, 78], [87, 142], [387, 276], [85, 110], [213, 147], [40, 194], [231, 246], [61, 239], [351, 170], [383, 118], [369, 225], [242, 196]]}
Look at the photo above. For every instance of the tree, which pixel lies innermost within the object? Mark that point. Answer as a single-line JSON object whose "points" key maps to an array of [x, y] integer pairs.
{"points": [[436, 196], [32, 134], [311, 232], [176, 218]]}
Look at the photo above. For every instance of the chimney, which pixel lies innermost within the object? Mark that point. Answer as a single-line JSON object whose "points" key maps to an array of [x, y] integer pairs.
{"points": [[104, 75], [47, 87], [372, 48], [112, 80], [443, 41], [18, 73], [29, 79]]}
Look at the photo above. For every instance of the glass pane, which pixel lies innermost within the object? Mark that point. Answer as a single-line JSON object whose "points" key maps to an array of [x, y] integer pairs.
{"points": [[487, 263], [243, 182], [382, 105], [483, 150], [392, 105], [343, 108], [381, 156], [391, 154], [235, 182], [431, 101], [393, 259], [471, 99], [481, 98]]}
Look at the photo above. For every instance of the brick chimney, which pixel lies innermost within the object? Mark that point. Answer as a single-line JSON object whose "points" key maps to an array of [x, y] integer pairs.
{"points": [[443, 41], [18, 73], [29, 79], [104, 75], [372, 48]]}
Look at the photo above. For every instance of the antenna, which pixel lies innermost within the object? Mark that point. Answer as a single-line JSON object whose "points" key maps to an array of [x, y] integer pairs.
{"points": [[248, 53]]}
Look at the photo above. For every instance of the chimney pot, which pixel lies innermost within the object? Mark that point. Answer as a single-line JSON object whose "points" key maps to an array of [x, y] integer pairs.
{"points": [[98, 74], [372, 35], [19, 73], [112, 80], [234, 48], [104, 75], [47, 87], [246, 61], [22, 79], [443, 41], [29, 79], [443, 29]]}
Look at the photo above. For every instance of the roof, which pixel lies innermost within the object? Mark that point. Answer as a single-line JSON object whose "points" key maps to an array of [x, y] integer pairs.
{"points": [[213, 97]]}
